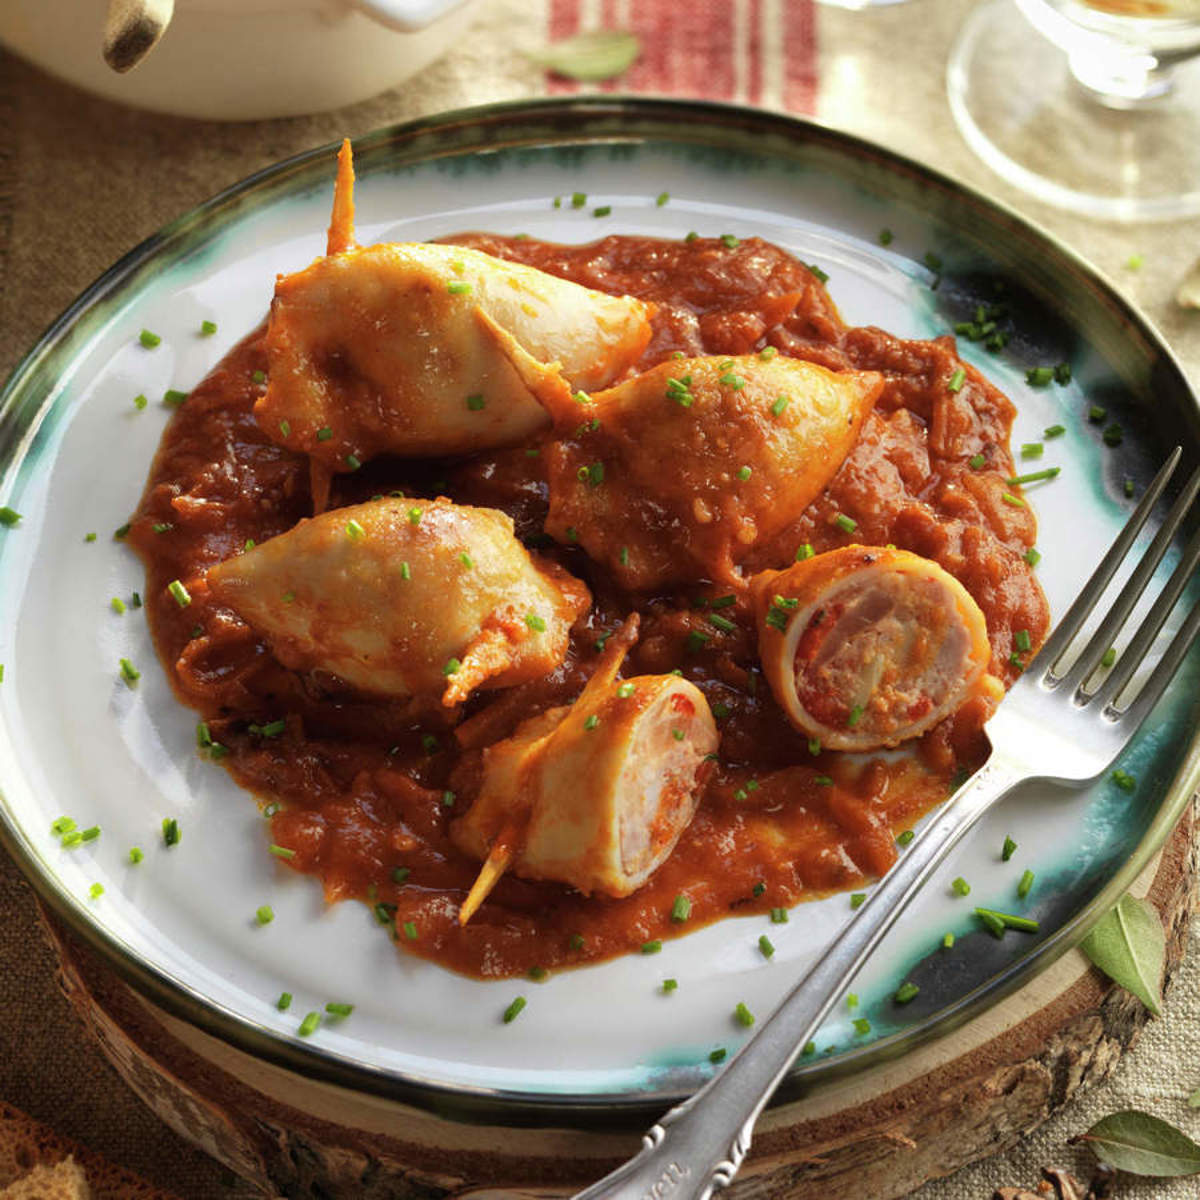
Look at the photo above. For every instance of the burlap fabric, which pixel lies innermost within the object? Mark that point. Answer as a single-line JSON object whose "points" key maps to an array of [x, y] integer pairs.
{"points": [[82, 181]]}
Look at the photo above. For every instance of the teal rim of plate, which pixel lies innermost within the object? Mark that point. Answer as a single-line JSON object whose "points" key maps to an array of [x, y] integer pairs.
{"points": [[521, 128]]}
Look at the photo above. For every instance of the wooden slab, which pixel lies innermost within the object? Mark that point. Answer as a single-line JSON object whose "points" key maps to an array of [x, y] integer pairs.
{"points": [[875, 1136]]}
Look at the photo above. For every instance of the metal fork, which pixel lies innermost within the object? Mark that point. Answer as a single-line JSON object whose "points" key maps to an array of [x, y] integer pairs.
{"points": [[1050, 726]]}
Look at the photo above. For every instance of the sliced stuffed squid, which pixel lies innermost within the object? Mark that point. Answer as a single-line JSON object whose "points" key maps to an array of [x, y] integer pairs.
{"points": [[676, 474], [866, 647], [402, 598], [594, 794], [421, 349]]}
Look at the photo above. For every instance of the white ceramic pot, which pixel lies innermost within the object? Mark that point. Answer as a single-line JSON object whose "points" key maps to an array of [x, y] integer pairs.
{"points": [[238, 60]]}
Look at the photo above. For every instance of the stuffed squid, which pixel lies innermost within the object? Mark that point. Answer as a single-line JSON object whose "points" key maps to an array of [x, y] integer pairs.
{"points": [[675, 475], [401, 597], [421, 348], [866, 647], [594, 794]]}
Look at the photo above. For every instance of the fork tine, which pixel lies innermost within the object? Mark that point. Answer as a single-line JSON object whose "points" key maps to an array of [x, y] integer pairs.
{"points": [[1075, 616], [1149, 629], [1089, 658], [1132, 717]]}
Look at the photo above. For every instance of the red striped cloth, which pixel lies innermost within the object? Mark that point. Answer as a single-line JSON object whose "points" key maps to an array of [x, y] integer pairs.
{"points": [[753, 51]]}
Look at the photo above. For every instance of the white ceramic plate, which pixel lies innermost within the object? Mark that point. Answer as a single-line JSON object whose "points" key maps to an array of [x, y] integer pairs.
{"points": [[75, 740]]}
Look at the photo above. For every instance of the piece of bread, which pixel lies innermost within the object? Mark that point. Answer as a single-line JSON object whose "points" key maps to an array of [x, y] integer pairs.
{"points": [[28, 1148], [64, 1180]]}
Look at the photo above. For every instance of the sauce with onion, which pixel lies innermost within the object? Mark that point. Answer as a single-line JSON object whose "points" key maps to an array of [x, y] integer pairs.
{"points": [[363, 790]]}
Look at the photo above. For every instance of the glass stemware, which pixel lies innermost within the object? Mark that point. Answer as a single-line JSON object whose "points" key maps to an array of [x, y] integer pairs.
{"points": [[1090, 105]]}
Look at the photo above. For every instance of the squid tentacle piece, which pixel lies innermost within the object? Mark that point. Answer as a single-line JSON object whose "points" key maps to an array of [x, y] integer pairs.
{"points": [[676, 474], [866, 647], [424, 348], [403, 598], [594, 794]]}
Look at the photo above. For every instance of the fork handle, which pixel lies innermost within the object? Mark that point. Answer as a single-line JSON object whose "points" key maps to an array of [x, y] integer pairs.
{"points": [[697, 1147]]}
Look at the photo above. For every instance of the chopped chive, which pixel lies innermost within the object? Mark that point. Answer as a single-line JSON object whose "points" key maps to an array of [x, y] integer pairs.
{"points": [[1109, 657], [71, 840], [136, 854], [284, 1002], [1113, 435], [118, 533], [1097, 413], [324, 433], [281, 852], [353, 462], [652, 947], [759, 888], [961, 887], [823, 780], [452, 667], [743, 1016], [466, 560], [766, 354], [724, 624], [781, 402], [410, 930], [681, 909], [722, 601], [1033, 476], [334, 1009], [857, 899], [1015, 501], [264, 914], [602, 210], [591, 721], [1062, 374], [977, 462], [1124, 780], [779, 916], [148, 339], [956, 380], [1032, 450], [1022, 640], [270, 729], [814, 746], [718, 1055], [729, 241], [1127, 487], [904, 837], [180, 593], [170, 831], [173, 398], [1007, 920], [1026, 884], [845, 523], [855, 716], [401, 874], [744, 473], [208, 328], [578, 199], [697, 640], [538, 974], [822, 276], [96, 891], [117, 605], [448, 798], [905, 992], [862, 1026], [1053, 431], [1039, 376], [309, 1025], [1135, 262], [669, 985], [259, 377], [162, 527], [285, 427], [885, 237], [513, 1010], [1008, 850], [90, 834], [765, 947], [458, 288], [10, 516], [140, 401], [805, 552], [62, 825], [994, 925], [129, 672], [947, 941], [662, 198], [1033, 556], [476, 403]]}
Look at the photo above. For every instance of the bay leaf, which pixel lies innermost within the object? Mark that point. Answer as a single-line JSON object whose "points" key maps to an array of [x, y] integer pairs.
{"points": [[591, 57], [1143, 1145], [1129, 946]]}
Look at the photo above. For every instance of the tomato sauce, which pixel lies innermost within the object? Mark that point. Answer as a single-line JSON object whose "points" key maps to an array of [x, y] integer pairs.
{"points": [[361, 792]]}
